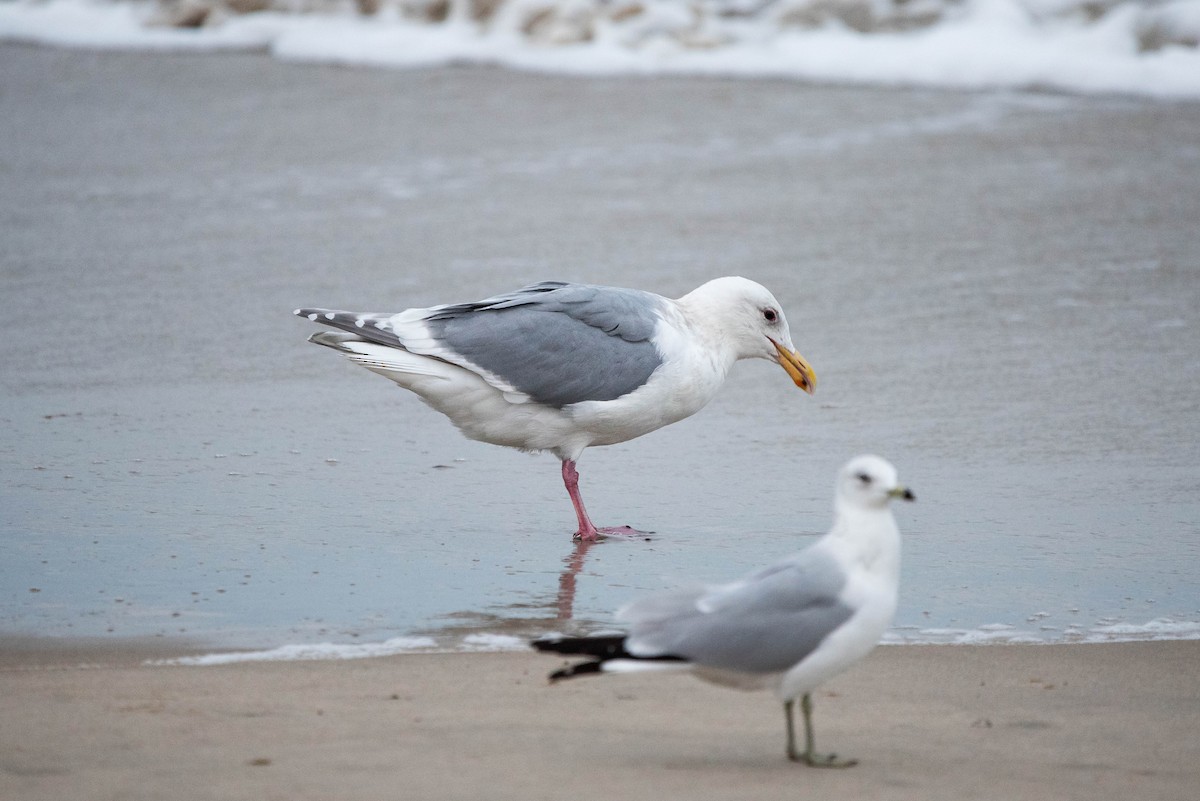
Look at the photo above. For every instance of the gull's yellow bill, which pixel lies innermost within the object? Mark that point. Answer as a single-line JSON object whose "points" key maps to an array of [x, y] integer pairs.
{"points": [[797, 367]]}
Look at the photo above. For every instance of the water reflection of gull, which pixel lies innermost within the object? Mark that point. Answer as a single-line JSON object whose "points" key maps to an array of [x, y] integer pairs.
{"points": [[567, 579], [544, 611]]}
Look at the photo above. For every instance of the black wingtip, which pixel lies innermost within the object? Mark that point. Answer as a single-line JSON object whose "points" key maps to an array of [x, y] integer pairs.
{"points": [[365, 325], [606, 647], [600, 649], [581, 669]]}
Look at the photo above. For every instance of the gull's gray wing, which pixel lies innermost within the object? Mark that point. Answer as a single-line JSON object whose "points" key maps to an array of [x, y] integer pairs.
{"points": [[557, 343], [765, 623], [554, 342]]}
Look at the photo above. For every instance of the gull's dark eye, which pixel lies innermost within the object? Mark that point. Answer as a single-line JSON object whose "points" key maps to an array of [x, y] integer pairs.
{"points": [[863, 477], [770, 315]]}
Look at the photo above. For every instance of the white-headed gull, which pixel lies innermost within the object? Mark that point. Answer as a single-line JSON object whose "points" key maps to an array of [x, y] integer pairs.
{"points": [[560, 367], [790, 627]]}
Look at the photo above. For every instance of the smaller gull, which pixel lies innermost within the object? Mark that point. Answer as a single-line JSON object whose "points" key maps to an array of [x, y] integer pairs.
{"points": [[561, 367], [789, 627]]}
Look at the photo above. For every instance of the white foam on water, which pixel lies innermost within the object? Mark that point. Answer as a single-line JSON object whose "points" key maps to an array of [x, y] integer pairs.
{"points": [[306, 652], [1157, 629], [123, 26], [494, 642], [1004, 633], [987, 634], [1131, 46]]}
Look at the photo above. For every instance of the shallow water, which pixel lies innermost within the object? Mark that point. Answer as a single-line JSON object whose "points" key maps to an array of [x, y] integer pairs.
{"points": [[998, 292]]}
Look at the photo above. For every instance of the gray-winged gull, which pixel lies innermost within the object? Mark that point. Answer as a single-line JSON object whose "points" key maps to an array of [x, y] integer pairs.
{"points": [[560, 367], [790, 627]]}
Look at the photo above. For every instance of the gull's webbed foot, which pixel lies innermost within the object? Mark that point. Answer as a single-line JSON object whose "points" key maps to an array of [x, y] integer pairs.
{"points": [[809, 755], [602, 532], [814, 760]]}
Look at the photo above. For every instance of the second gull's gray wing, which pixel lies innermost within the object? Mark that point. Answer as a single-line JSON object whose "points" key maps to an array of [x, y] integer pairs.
{"points": [[765, 623]]}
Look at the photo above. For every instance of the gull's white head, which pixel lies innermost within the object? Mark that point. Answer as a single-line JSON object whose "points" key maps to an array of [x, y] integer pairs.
{"points": [[750, 320], [869, 482]]}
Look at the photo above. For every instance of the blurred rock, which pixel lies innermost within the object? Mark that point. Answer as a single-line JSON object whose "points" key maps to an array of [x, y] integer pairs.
{"points": [[559, 23], [182, 14], [1168, 25], [864, 16], [246, 6]]}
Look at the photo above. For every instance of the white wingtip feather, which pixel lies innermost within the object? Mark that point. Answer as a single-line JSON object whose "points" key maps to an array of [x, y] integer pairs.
{"points": [[642, 666]]}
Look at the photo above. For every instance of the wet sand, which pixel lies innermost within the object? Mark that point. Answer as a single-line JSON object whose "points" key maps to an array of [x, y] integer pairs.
{"points": [[926, 722]]}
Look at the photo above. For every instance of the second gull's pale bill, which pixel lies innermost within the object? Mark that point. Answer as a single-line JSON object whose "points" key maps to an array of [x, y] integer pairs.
{"points": [[561, 367]]}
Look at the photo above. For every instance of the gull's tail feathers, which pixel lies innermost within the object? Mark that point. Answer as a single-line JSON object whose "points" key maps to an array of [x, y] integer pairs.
{"points": [[608, 656], [391, 362]]}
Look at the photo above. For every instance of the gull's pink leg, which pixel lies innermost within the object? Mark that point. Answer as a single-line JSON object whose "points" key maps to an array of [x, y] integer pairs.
{"points": [[587, 531]]}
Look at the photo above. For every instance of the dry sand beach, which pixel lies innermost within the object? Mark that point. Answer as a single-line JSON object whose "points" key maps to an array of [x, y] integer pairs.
{"points": [[1113, 721]]}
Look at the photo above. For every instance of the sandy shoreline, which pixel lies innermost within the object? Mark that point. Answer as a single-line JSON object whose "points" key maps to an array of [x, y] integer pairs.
{"points": [[927, 722]]}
